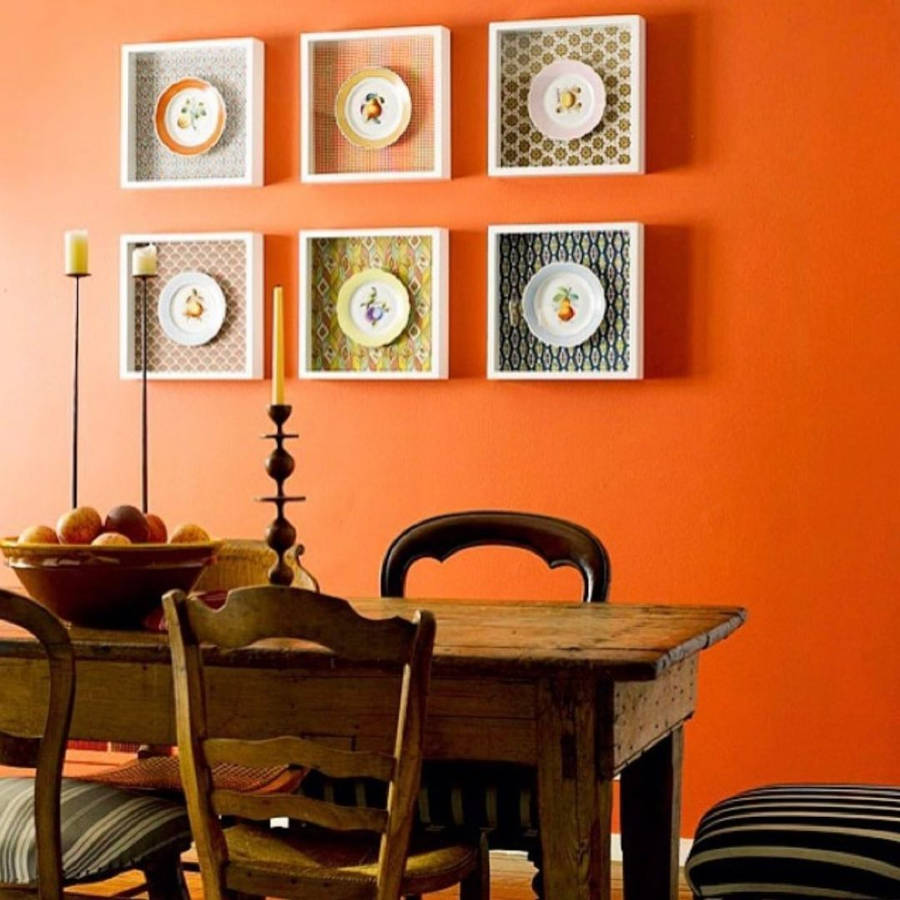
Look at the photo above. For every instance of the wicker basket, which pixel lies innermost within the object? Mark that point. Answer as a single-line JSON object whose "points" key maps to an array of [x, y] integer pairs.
{"points": [[242, 563]]}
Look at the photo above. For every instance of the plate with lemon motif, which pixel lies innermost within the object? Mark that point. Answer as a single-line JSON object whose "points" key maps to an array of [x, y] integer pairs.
{"points": [[566, 100], [190, 117], [373, 307], [373, 108], [563, 304], [191, 308]]}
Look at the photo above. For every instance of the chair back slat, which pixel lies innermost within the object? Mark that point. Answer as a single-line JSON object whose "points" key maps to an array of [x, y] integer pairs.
{"points": [[294, 613], [50, 747], [262, 807], [557, 541], [296, 751]]}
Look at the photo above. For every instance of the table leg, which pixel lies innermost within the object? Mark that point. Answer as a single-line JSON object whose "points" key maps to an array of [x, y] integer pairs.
{"points": [[574, 803], [651, 818]]}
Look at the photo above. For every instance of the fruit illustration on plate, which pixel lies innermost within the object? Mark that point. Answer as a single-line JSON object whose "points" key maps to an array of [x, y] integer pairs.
{"points": [[193, 305], [563, 300], [190, 112], [372, 109], [79, 526], [375, 308], [568, 99]]}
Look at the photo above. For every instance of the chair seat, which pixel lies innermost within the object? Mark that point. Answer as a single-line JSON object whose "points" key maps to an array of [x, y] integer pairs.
{"points": [[104, 830], [261, 860], [800, 840]]}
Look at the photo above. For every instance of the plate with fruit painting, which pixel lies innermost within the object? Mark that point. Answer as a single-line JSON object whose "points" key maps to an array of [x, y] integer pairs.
{"points": [[190, 117], [373, 307], [373, 108], [566, 100], [564, 304], [191, 308]]}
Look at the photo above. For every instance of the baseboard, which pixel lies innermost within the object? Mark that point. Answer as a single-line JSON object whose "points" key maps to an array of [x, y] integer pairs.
{"points": [[615, 850]]}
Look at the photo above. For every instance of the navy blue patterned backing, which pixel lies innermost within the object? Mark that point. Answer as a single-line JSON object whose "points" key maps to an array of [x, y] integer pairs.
{"points": [[520, 256]]}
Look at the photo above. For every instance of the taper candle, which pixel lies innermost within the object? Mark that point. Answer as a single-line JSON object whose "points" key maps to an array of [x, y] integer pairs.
{"points": [[76, 244], [278, 346], [143, 260]]}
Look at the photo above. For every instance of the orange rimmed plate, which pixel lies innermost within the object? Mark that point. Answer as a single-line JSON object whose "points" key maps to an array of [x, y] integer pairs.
{"points": [[190, 117]]}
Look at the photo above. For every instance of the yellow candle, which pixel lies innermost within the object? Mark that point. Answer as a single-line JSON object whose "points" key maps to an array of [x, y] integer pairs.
{"points": [[143, 260], [278, 346], [76, 243]]}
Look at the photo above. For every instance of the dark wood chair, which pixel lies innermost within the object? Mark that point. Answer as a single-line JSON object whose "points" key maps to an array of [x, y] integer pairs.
{"points": [[335, 852], [510, 815], [58, 831]]}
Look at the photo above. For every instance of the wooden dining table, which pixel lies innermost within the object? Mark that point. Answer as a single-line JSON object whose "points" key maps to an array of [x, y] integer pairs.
{"points": [[583, 692]]}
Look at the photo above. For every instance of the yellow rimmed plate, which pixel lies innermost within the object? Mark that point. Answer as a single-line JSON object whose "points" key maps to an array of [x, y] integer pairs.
{"points": [[190, 117], [373, 108], [373, 307]]}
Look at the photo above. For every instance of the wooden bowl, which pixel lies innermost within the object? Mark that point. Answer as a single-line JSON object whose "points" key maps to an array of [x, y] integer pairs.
{"points": [[106, 587]]}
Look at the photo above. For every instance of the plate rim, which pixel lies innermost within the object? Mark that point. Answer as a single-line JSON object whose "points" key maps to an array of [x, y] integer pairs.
{"points": [[527, 309], [345, 322], [159, 113], [340, 102], [168, 325], [590, 74]]}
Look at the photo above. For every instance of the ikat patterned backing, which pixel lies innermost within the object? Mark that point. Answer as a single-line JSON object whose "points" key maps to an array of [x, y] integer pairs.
{"points": [[333, 260], [223, 67], [609, 50], [520, 256], [226, 262]]}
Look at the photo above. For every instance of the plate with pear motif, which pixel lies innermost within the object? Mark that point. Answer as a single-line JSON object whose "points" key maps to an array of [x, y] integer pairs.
{"points": [[563, 304], [191, 308], [373, 108], [190, 117], [566, 100], [373, 307]]}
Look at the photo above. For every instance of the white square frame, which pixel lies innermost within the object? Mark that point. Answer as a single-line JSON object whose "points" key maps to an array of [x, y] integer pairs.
{"points": [[253, 339], [440, 286], [440, 36], [637, 25], [635, 370], [254, 156]]}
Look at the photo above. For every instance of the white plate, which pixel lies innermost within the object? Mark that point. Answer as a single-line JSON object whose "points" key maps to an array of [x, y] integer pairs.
{"points": [[190, 116], [191, 308], [373, 108], [566, 100], [373, 307], [564, 304]]}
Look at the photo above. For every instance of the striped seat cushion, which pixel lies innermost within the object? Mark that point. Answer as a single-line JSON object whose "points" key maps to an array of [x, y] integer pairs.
{"points": [[800, 840], [104, 830]]}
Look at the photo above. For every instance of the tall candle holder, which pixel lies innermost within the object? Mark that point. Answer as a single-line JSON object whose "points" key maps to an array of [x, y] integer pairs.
{"points": [[144, 464], [77, 276], [281, 534]]}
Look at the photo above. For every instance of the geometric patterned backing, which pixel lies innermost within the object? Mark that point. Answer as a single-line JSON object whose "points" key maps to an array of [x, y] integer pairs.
{"points": [[608, 50], [800, 840], [333, 62], [332, 261], [226, 261], [608, 255], [226, 69]]}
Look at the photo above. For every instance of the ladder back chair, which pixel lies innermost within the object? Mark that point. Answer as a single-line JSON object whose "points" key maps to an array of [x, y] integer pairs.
{"points": [[336, 852], [58, 831]]}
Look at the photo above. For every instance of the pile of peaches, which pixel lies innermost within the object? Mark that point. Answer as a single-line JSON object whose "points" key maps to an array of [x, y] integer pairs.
{"points": [[123, 525]]}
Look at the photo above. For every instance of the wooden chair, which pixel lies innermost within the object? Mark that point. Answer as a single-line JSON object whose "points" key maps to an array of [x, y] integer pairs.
{"points": [[337, 853], [41, 851]]}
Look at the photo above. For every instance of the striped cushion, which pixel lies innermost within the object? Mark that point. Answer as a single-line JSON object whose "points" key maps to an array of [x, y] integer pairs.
{"points": [[800, 840], [104, 830]]}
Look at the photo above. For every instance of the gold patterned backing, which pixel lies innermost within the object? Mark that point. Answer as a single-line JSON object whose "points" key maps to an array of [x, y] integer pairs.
{"points": [[609, 50], [333, 261], [226, 262]]}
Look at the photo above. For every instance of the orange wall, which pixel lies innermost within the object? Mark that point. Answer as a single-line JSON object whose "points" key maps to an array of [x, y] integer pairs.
{"points": [[756, 464]]}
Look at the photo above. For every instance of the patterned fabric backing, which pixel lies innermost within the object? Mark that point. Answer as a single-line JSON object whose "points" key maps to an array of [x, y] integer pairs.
{"points": [[800, 840], [333, 62], [223, 67], [520, 256], [226, 261], [333, 261], [609, 50], [104, 830]]}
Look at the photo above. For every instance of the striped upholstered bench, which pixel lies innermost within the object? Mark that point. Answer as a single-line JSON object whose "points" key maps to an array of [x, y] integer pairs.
{"points": [[800, 840]]}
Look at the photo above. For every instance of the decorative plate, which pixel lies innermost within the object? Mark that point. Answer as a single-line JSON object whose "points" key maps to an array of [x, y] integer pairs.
{"points": [[373, 307], [373, 108], [190, 117], [191, 308], [566, 100], [564, 304]]}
